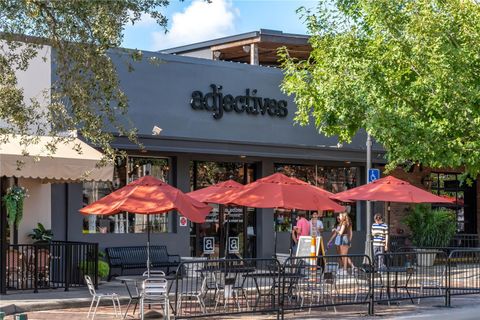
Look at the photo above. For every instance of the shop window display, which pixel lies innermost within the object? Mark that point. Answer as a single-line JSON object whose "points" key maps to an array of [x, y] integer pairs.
{"points": [[126, 171], [333, 179]]}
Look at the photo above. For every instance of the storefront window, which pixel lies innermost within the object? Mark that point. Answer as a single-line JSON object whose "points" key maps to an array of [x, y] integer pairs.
{"points": [[126, 171], [448, 185], [333, 179]]}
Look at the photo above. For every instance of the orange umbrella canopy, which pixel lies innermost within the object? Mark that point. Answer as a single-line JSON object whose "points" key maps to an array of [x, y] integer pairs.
{"points": [[280, 191], [218, 193], [149, 195], [390, 189]]}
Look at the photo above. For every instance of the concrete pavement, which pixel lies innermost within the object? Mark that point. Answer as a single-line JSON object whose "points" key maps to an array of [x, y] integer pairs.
{"points": [[58, 304]]}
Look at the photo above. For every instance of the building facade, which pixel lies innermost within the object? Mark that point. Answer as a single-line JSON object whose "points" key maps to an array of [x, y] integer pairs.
{"points": [[202, 121]]}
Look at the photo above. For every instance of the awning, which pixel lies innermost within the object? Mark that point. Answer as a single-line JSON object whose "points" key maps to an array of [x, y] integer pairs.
{"points": [[66, 164]]}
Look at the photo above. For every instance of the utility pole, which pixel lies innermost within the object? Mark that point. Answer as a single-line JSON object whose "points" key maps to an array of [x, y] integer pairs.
{"points": [[368, 245]]}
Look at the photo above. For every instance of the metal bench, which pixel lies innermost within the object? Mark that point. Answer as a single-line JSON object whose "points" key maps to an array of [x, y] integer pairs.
{"points": [[125, 258]]}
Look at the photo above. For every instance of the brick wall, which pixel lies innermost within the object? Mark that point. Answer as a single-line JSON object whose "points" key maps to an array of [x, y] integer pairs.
{"points": [[478, 203], [399, 210]]}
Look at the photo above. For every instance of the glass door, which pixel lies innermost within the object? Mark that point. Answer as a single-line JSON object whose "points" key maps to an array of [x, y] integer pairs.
{"points": [[227, 231]]}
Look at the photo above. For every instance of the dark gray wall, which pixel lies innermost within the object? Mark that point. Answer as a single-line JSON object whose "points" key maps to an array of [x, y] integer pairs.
{"points": [[160, 95]]}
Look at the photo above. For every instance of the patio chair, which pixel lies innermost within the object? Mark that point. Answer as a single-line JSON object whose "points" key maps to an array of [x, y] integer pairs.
{"points": [[154, 291], [97, 296], [190, 289], [154, 274]]}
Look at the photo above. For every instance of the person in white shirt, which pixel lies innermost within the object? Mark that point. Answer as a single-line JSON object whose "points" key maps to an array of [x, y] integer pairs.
{"points": [[316, 225]]}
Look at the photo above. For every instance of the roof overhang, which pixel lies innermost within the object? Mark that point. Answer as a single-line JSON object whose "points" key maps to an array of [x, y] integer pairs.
{"points": [[73, 160]]}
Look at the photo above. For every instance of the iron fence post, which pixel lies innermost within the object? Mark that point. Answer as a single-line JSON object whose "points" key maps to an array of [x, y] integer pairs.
{"points": [[371, 302], [448, 283], [95, 264], [35, 269], [67, 266]]}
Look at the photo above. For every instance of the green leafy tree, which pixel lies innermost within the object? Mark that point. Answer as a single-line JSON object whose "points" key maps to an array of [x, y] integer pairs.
{"points": [[85, 94], [407, 71]]}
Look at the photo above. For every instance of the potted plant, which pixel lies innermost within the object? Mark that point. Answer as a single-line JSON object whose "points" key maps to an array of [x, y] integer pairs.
{"points": [[430, 228], [41, 235], [14, 204]]}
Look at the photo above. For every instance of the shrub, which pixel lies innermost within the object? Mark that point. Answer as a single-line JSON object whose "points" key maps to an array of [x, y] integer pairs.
{"points": [[431, 227]]}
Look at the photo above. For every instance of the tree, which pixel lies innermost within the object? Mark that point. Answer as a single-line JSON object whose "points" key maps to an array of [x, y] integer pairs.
{"points": [[408, 71], [86, 96]]}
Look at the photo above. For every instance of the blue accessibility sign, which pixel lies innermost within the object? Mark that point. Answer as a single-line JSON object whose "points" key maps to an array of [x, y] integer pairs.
{"points": [[373, 174]]}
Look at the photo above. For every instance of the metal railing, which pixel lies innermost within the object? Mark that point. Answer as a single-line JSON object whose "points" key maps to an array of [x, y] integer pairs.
{"points": [[56, 264], [206, 288], [462, 240], [218, 287], [327, 281]]}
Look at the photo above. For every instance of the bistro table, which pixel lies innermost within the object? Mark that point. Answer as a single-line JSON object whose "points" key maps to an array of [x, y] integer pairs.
{"points": [[293, 278], [231, 275], [137, 280]]}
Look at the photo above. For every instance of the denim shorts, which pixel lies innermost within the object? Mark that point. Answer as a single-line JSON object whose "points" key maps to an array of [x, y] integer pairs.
{"points": [[344, 241]]}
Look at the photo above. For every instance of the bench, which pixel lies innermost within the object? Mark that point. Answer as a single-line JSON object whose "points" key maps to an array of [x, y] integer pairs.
{"points": [[125, 258]]}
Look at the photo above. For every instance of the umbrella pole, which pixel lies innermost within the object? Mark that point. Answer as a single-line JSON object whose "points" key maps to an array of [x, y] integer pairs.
{"points": [[388, 218], [227, 223], [148, 245]]}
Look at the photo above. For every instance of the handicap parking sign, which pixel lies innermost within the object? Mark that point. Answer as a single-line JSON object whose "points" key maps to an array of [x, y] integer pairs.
{"points": [[208, 245], [233, 245], [373, 174]]}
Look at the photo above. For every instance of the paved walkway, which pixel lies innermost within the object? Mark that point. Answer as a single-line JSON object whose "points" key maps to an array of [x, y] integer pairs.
{"points": [[72, 305]]}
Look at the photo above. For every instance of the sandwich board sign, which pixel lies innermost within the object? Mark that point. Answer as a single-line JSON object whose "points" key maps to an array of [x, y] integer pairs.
{"points": [[304, 246]]}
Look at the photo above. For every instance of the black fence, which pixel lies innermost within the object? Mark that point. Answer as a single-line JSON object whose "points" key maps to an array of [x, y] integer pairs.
{"points": [[51, 265], [205, 288], [218, 287]]}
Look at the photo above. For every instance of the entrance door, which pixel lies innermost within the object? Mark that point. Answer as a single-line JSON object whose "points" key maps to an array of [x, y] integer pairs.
{"points": [[227, 231]]}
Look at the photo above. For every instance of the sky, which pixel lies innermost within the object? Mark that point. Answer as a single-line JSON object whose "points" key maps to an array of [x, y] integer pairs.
{"points": [[192, 21]]}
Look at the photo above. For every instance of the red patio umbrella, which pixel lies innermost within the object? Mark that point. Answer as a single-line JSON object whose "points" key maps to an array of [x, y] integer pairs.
{"points": [[390, 189], [149, 195], [217, 193], [280, 191]]}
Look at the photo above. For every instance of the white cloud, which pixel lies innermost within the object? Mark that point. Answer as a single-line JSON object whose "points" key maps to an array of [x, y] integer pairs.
{"points": [[200, 21]]}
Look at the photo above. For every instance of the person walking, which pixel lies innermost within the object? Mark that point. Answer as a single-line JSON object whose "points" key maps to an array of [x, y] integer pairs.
{"points": [[302, 228], [379, 240], [343, 240]]}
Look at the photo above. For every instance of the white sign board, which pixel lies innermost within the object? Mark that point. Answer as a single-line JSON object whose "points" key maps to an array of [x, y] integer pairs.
{"points": [[233, 245], [209, 245], [304, 246]]}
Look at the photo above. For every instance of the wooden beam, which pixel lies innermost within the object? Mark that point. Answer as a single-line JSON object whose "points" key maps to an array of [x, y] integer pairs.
{"points": [[235, 44]]}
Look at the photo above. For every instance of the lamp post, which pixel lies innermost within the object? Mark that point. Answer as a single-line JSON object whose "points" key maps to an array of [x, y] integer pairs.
{"points": [[368, 246]]}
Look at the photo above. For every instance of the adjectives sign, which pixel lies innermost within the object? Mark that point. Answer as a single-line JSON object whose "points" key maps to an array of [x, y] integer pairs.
{"points": [[219, 103]]}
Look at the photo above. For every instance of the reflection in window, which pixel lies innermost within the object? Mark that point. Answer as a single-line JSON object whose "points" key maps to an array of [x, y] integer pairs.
{"points": [[333, 179], [447, 185], [126, 171]]}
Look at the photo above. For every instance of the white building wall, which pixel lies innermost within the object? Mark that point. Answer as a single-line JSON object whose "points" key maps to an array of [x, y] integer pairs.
{"points": [[36, 81], [37, 208]]}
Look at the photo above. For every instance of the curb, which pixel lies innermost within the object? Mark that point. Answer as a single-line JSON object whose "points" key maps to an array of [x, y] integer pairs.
{"points": [[12, 309]]}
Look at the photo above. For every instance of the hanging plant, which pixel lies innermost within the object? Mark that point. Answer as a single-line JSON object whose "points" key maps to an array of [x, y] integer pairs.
{"points": [[14, 203]]}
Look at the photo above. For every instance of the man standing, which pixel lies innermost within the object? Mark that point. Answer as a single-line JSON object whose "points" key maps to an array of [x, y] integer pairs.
{"points": [[316, 225], [379, 240], [303, 226]]}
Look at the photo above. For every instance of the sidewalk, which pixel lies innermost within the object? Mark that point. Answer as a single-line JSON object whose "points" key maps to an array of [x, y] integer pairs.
{"points": [[73, 304]]}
